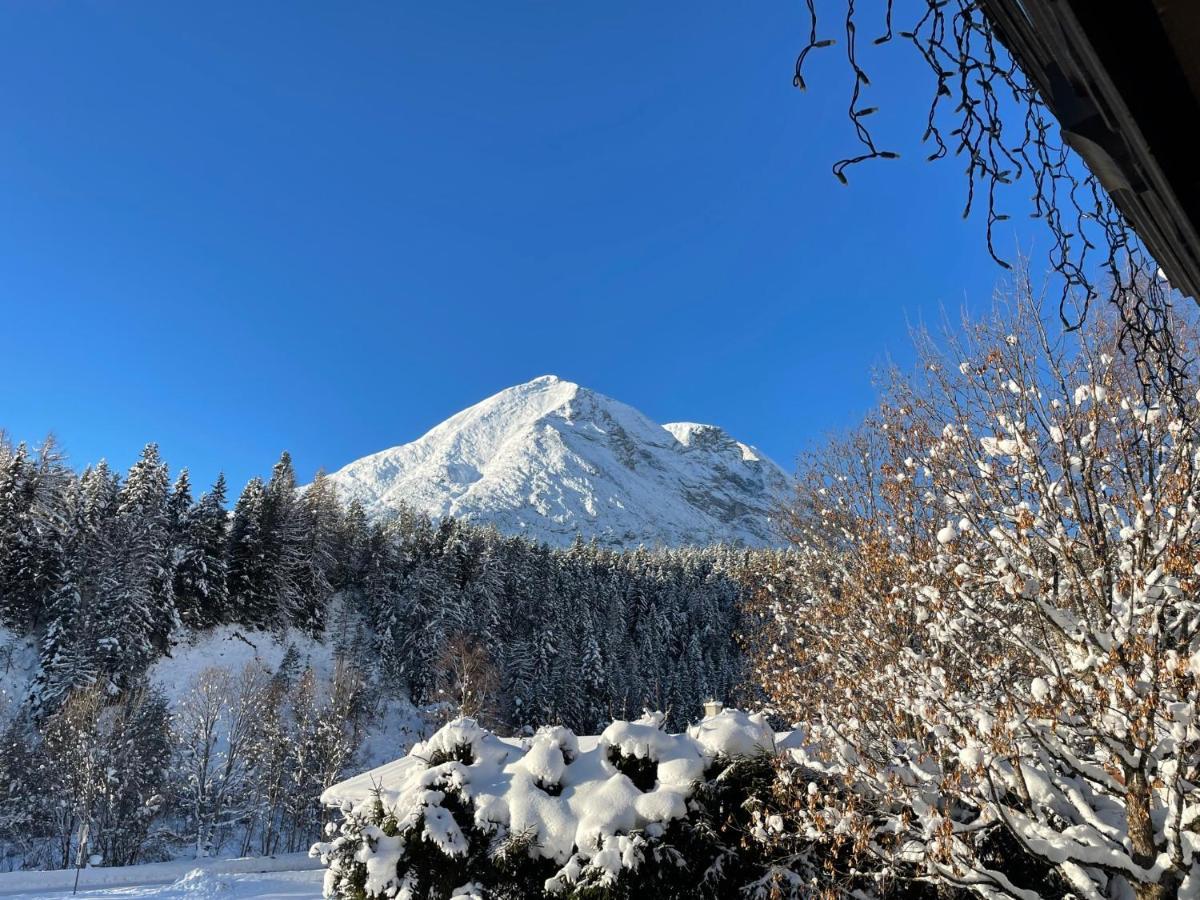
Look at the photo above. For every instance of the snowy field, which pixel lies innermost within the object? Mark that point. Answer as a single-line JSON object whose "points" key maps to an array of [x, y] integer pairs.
{"points": [[290, 876]]}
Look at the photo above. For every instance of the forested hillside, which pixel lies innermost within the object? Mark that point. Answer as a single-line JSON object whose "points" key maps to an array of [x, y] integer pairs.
{"points": [[106, 576]]}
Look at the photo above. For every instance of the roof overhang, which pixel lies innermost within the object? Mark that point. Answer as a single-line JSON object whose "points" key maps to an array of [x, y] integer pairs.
{"points": [[1123, 80]]}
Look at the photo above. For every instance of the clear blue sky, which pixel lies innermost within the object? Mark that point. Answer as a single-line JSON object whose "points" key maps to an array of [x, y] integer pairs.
{"points": [[236, 228]]}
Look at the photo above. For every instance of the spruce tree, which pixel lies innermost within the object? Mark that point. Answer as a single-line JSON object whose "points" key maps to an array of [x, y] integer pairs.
{"points": [[428, 602], [200, 573], [352, 551], [73, 556], [249, 569], [179, 504], [210, 534], [67, 653], [320, 526], [32, 523], [17, 536], [284, 545], [139, 594]]}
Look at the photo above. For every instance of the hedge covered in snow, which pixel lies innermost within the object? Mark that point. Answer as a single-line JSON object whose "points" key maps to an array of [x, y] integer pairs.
{"points": [[635, 812]]}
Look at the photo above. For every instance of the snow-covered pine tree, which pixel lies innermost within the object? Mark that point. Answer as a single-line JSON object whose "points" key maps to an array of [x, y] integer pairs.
{"points": [[284, 544], [374, 599], [484, 596], [18, 536], [469, 809], [184, 556], [388, 639], [429, 606], [32, 529], [351, 550], [179, 503], [201, 589], [139, 593], [320, 524], [67, 653], [592, 685], [249, 578]]}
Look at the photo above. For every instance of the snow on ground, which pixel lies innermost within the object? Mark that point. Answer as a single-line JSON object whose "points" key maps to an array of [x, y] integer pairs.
{"points": [[232, 648], [18, 666], [227, 647], [396, 727], [291, 876]]}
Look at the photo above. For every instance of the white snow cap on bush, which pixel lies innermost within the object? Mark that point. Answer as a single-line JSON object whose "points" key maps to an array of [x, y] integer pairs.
{"points": [[566, 795], [732, 732]]}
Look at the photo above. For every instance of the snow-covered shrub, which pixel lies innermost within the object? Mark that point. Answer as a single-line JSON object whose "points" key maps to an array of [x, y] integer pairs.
{"points": [[990, 626], [24, 814], [468, 813], [93, 766]]}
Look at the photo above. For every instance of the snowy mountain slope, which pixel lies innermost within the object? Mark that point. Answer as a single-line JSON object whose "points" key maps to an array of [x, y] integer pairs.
{"points": [[550, 459]]}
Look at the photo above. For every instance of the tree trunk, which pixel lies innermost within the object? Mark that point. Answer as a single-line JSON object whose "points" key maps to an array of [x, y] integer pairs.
{"points": [[1141, 837]]}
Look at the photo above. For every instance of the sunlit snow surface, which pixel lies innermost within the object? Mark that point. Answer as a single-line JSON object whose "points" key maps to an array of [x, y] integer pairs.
{"points": [[296, 879], [550, 459]]}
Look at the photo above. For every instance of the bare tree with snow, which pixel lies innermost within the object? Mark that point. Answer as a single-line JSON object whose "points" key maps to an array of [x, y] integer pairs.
{"points": [[991, 626]]}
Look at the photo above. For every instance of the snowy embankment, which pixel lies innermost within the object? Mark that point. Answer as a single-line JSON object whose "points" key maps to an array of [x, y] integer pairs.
{"points": [[394, 727], [225, 647], [231, 649], [18, 666], [294, 875]]}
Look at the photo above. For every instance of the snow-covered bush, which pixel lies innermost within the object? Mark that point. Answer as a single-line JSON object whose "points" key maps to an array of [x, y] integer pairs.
{"points": [[94, 766], [991, 627], [635, 812]]}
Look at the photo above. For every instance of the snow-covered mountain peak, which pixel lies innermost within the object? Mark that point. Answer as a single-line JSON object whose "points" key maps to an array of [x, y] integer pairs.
{"points": [[551, 459]]}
